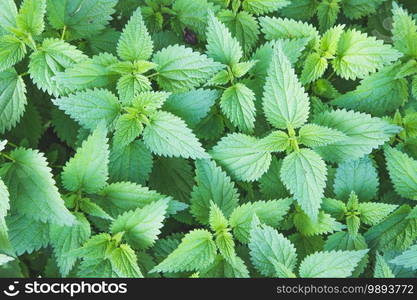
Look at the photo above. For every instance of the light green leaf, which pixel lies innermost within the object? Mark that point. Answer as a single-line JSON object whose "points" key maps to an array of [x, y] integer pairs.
{"points": [[285, 102], [128, 128], [196, 251], [240, 155], [336, 264], [168, 135], [12, 50], [407, 259], [32, 189], [313, 135], [238, 104], [221, 46], [304, 174], [180, 69], [314, 68], [135, 43], [324, 224], [372, 213], [141, 227], [130, 85], [8, 13], [404, 31], [260, 7], [327, 12], [31, 15], [90, 107], [88, 170], [382, 269], [212, 185]]}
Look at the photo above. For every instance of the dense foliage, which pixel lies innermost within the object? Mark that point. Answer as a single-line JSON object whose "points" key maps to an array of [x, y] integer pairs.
{"points": [[208, 138]]}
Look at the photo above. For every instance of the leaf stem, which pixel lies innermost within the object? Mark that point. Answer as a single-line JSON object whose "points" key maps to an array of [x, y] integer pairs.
{"points": [[64, 31]]}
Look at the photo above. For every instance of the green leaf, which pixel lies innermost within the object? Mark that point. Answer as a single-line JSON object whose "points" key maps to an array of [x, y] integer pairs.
{"points": [[88, 170], [382, 269], [32, 189], [336, 264], [314, 68], [93, 209], [276, 141], [52, 57], [404, 31], [285, 102], [407, 259], [168, 135], [238, 104], [323, 225], [329, 41], [195, 252], [121, 197], [358, 55], [180, 69], [269, 248], [82, 18], [141, 227], [282, 28], [364, 133], [226, 246], [271, 185], [396, 232], [359, 176], [221, 46], [128, 128], [217, 220], [31, 15], [90, 107], [185, 106], [124, 262], [355, 9], [212, 185], [12, 50], [401, 169], [378, 94], [270, 213], [67, 238], [372, 213], [304, 174], [240, 155], [260, 7], [327, 12], [22, 231], [130, 85], [313, 135], [90, 73], [132, 162], [135, 43], [4, 200], [243, 26], [300, 9], [12, 99], [8, 13]]}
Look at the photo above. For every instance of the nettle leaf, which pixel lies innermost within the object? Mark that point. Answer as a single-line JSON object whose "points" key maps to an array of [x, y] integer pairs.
{"points": [[285, 102], [32, 189], [88, 170], [382, 269], [212, 185], [8, 13], [330, 40], [270, 213], [221, 46], [359, 176], [196, 251], [168, 135], [52, 57], [67, 238], [238, 104], [240, 155], [187, 107], [282, 28], [336, 264], [193, 14], [327, 12], [324, 224], [364, 133], [404, 31], [132, 163], [304, 174], [243, 26], [141, 227], [4, 200], [313, 135], [130, 85], [272, 254], [135, 43], [90, 107], [314, 67], [372, 213], [407, 259], [12, 50], [260, 7], [128, 128], [31, 16], [82, 18], [89, 73], [180, 69], [401, 170], [359, 55], [300, 10], [12, 99], [378, 94], [355, 9]]}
